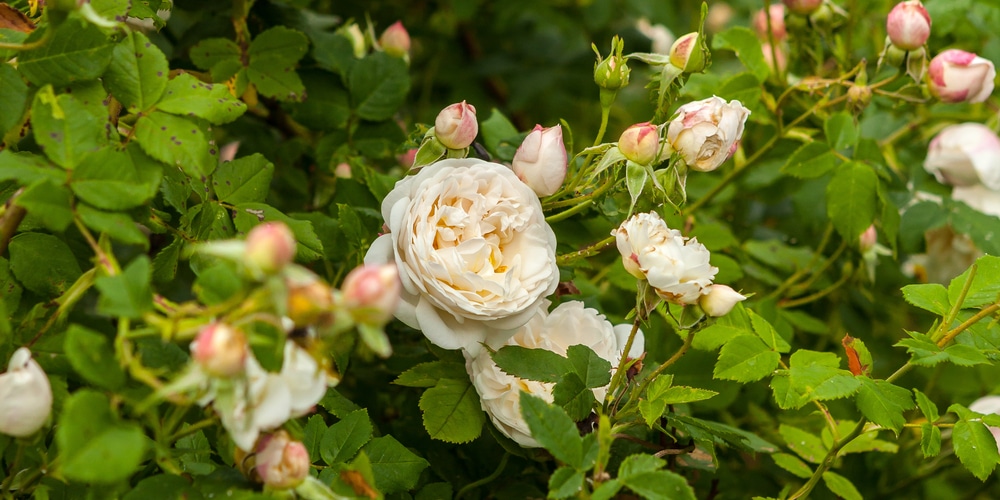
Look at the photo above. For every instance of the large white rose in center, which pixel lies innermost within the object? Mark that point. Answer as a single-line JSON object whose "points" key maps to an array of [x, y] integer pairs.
{"points": [[475, 255]]}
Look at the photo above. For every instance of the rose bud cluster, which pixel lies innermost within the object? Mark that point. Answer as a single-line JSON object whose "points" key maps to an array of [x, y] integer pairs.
{"points": [[371, 293], [282, 463], [456, 126], [706, 133], [269, 248], [640, 143], [541, 160], [959, 76], [395, 40], [908, 25], [220, 350], [25, 396]]}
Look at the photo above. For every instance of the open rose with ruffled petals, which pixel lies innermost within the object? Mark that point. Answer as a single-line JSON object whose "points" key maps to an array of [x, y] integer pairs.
{"points": [[706, 132]]}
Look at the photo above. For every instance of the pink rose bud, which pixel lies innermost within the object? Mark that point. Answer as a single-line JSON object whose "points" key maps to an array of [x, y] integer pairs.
{"points": [[777, 14], [281, 462], [868, 239], [372, 292], [908, 25], [220, 350], [25, 396], [456, 126], [541, 159], [686, 53], [770, 55], [406, 159], [719, 300], [966, 154], [957, 76], [640, 143], [803, 7], [269, 248], [395, 41], [612, 72]]}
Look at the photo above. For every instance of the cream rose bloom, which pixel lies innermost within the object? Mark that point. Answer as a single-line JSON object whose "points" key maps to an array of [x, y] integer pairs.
{"points": [[706, 132], [567, 325], [25, 396], [676, 267], [965, 155], [475, 256]]}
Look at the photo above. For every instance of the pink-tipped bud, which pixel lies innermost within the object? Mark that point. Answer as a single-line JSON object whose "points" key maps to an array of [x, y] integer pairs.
{"points": [[456, 126], [25, 396], [686, 53], [342, 171], [220, 350], [371, 292], [776, 12], [803, 7], [395, 41], [719, 300], [868, 239], [640, 143], [960, 76], [908, 25], [770, 55], [406, 159], [269, 248], [541, 159], [281, 462]]}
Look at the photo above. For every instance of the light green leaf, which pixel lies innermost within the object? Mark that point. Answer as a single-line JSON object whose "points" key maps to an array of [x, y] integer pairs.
{"points": [[744, 359], [724, 329], [59, 272], [91, 355], [659, 485], [792, 464], [64, 128], [927, 407], [178, 142], [13, 98], [452, 412], [929, 297], [378, 85], [243, 180], [110, 179], [811, 160], [851, 199], [565, 482], [93, 445], [342, 440], [248, 215], [930, 440], [138, 72], [127, 294], [975, 447], [49, 202], [651, 410], [541, 365], [985, 285], [841, 130], [553, 429], [273, 55], [77, 51], [883, 403], [806, 444], [495, 129], [395, 467], [680, 394], [428, 374], [747, 47], [116, 225], [841, 486], [185, 95], [767, 333]]}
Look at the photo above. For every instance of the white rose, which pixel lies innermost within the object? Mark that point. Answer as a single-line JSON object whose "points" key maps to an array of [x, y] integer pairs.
{"points": [[25, 396], [706, 132], [569, 324], [960, 76], [987, 405], [475, 256], [964, 155], [978, 197], [676, 267], [540, 161]]}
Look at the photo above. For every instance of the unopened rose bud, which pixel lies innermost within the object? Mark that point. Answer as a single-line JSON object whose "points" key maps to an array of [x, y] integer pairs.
{"points": [[858, 97], [776, 13], [541, 159], [868, 239], [395, 41], [803, 7], [686, 53], [281, 462], [640, 143], [612, 72], [719, 300], [372, 293], [456, 126], [308, 303], [957, 76], [220, 350], [908, 25], [269, 248], [25, 396], [353, 33]]}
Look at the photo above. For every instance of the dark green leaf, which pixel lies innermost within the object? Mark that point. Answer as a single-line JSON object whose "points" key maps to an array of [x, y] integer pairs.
{"points": [[378, 84], [452, 412], [58, 273], [49, 202], [541, 365], [327, 106], [553, 429], [127, 294], [93, 445], [138, 72], [77, 51], [851, 199], [975, 447], [92, 356], [428, 374], [342, 440], [117, 225], [883, 403], [841, 486], [64, 128], [593, 370], [248, 215], [395, 467], [811, 160], [273, 56], [210, 52], [573, 396], [185, 95], [496, 128], [565, 482], [164, 486], [110, 179], [178, 142], [13, 98], [243, 180]]}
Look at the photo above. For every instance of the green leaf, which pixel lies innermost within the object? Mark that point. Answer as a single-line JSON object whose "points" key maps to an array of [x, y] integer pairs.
{"points": [[680, 394], [49, 202], [64, 128], [273, 55], [127, 294], [927, 407], [975, 447], [116, 225], [841, 130], [541, 365], [248, 215], [395, 467], [811, 160], [495, 129], [210, 52], [724, 329], [806, 444], [378, 85], [593, 370], [985, 285], [573, 396], [165, 486], [851, 199], [817, 376], [428, 374], [651, 410], [327, 106], [92, 356], [792, 464], [929, 297], [185, 95], [452, 412], [58, 273], [565, 482], [659, 485], [747, 47], [883, 403], [110, 179], [10, 290], [138, 72], [312, 436], [553, 429], [13, 98], [841, 486], [745, 359], [178, 142], [342, 440], [965, 355], [930, 440], [243, 180], [93, 446], [77, 51], [767, 333], [165, 262]]}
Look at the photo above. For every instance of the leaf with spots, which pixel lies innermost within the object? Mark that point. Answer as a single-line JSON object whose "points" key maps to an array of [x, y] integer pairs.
{"points": [[248, 215], [77, 51], [13, 98], [138, 72], [178, 142], [64, 128], [273, 56], [59, 272], [110, 179], [243, 180], [186, 95]]}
